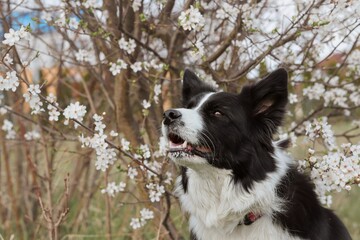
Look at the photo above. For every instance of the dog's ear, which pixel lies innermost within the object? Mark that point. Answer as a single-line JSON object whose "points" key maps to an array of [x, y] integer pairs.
{"points": [[192, 86], [267, 100]]}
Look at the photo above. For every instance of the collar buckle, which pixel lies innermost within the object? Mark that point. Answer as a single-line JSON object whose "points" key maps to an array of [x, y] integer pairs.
{"points": [[250, 218]]}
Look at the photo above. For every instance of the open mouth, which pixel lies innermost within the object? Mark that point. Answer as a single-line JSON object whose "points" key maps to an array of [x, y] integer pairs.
{"points": [[179, 145]]}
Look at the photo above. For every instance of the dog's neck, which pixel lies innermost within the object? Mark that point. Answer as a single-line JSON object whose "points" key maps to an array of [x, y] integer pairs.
{"points": [[213, 198]]}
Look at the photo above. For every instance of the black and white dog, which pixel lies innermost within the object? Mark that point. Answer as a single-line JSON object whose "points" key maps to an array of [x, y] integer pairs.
{"points": [[236, 182]]}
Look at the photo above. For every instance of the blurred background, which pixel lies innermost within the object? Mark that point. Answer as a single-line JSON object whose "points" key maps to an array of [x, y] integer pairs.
{"points": [[84, 83]]}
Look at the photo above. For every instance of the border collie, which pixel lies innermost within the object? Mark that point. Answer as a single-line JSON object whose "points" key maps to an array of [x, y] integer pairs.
{"points": [[236, 182]]}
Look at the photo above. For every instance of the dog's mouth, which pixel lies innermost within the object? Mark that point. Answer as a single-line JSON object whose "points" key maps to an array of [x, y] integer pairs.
{"points": [[179, 145]]}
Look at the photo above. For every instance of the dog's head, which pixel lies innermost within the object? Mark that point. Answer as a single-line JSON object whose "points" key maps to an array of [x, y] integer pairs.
{"points": [[226, 130]]}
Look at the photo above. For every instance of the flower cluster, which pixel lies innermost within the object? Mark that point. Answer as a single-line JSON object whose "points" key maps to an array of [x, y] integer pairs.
{"points": [[3, 109], [157, 92], [191, 19], [198, 51], [91, 4], [112, 188], [8, 59], [153, 168], [146, 214], [74, 111], [32, 135], [136, 67], [146, 104], [314, 92], [105, 155], [336, 93], [143, 152], [73, 23], [127, 46], [132, 172], [136, 5], [10, 82], [125, 145], [335, 171], [320, 128], [61, 20], [13, 36], [52, 108], [293, 98], [227, 11], [82, 55], [115, 68], [32, 97], [155, 191], [8, 128]]}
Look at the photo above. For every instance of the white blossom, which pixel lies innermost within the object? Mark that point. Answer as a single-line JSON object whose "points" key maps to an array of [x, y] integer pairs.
{"points": [[157, 92], [32, 97], [293, 98], [11, 37], [136, 67], [32, 135], [46, 16], [53, 111], [92, 4], [105, 155], [198, 51], [315, 91], [146, 214], [8, 59], [10, 82], [82, 55], [61, 20], [168, 180], [113, 133], [146, 104], [227, 11], [132, 172], [74, 111], [136, 223], [125, 145], [144, 151], [8, 128], [334, 170], [155, 191], [73, 23], [191, 19], [127, 46], [112, 188], [136, 5], [320, 128], [115, 68]]}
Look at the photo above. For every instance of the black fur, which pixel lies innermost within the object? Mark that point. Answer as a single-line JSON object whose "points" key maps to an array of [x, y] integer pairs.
{"points": [[304, 216], [259, 110], [241, 140]]}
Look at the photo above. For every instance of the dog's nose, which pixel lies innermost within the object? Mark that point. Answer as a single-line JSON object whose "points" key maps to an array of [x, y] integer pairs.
{"points": [[170, 116]]}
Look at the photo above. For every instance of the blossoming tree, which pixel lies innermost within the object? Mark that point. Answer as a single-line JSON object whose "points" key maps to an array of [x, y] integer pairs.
{"points": [[83, 85]]}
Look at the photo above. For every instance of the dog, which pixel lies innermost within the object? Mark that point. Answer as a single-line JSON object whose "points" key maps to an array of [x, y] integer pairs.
{"points": [[236, 182]]}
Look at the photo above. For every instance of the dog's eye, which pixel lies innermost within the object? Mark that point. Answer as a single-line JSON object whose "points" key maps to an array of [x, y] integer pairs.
{"points": [[190, 105], [217, 114]]}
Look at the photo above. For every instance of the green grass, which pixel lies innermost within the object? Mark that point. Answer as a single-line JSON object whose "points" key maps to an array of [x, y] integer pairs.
{"points": [[92, 225], [346, 206]]}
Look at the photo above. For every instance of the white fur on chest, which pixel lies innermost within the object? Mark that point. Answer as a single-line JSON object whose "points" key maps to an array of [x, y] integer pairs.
{"points": [[216, 205]]}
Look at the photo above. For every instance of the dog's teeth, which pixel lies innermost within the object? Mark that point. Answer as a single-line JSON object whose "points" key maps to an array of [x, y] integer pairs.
{"points": [[184, 145]]}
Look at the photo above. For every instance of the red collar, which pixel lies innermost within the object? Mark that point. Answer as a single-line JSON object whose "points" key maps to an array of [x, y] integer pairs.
{"points": [[250, 218]]}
